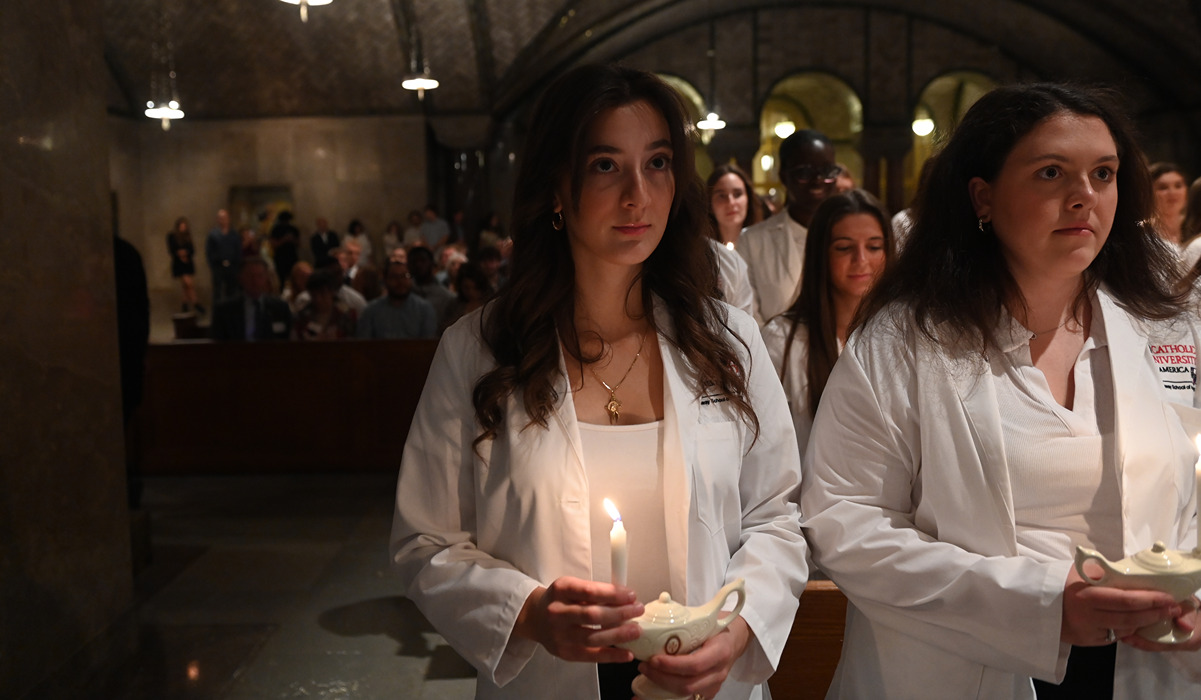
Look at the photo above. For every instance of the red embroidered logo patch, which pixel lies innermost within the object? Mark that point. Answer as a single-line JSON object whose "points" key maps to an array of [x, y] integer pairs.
{"points": [[1177, 365]]}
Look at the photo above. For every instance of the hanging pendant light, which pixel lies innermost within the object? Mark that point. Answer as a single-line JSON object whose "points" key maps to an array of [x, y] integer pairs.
{"points": [[164, 97], [305, 5], [165, 112], [414, 79], [712, 122], [420, 82]]}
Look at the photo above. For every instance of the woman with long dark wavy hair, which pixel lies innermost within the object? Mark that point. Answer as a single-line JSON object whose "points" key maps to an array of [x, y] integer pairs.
{"points": [[849, 245], [604, 369], [1022, 383]]}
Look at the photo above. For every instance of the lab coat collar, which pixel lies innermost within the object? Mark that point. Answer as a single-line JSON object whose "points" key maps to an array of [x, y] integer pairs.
{"points": [[1139, 427]]}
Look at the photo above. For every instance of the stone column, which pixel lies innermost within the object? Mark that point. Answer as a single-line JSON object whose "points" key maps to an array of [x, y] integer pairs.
{"points": [[64, 523], [884, 147]]}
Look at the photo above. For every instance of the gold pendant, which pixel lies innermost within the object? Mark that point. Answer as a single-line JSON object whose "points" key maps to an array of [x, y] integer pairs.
{"points": [[614, 409]]}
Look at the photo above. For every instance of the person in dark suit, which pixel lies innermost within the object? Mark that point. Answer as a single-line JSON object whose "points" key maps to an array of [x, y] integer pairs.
{"points": [[255, 314], [285, 241], [322, 242]]}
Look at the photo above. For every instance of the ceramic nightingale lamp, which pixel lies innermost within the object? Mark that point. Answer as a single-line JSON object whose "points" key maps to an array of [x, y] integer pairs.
{"points": [[1175, 572], [671, 628]]}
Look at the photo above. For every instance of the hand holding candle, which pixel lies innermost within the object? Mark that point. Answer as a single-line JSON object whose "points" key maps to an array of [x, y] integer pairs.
{"points": [[617, 545]]}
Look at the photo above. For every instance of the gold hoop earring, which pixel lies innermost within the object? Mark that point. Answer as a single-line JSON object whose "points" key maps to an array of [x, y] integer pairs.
{"points": [[556, 221]]}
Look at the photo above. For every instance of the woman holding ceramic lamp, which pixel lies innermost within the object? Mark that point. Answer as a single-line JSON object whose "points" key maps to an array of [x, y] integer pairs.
{"points": [[604, 369], [1004, 400]]}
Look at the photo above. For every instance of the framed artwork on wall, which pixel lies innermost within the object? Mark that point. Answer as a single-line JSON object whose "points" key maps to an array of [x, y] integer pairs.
{"points": [[257, 206]]}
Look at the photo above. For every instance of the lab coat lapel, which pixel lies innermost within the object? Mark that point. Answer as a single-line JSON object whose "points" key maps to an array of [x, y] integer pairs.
{"points": [[978, 395], [565, 414], [1141, 431], [577, 512], [680, 414]]}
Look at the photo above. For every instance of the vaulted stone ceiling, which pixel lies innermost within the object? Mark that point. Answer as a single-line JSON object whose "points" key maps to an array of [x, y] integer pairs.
{"points": [[255, 58]]}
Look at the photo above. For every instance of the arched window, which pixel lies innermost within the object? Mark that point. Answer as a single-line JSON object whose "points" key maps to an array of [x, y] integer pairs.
{"points": [[939, 108], [696, 111]]}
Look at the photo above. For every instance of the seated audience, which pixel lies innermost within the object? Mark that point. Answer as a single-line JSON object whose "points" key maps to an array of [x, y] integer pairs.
{"points": [[434, 229], [425, 285], [357, 233], [296, 285], [323, 319], [254, 314], [344, 295], [401, 314], [412, 232], [449, 260], [473, 291], [367, 282], [393, 238], [350, 257], [490, 261]]}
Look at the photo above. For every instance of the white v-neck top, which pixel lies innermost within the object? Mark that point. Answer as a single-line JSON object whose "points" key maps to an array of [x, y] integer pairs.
{"points": [[1062, 462], [624, 463]]}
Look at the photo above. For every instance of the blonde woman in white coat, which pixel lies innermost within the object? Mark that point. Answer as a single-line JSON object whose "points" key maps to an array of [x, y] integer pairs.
{"points": [[849, 244], [1024, 382], [604, 368]]}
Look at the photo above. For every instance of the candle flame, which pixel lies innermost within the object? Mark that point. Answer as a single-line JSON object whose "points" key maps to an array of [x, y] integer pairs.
{"points": [[612, 509], [1197, 441]]}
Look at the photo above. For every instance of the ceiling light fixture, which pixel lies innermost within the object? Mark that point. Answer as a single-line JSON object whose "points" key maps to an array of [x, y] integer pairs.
{"points": [[712, 122], [305, 5], [923, 126], [416, 79], [420, 82], [164, 98]]}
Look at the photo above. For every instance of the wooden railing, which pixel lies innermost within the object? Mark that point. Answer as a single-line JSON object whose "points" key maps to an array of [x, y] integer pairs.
{"points": [[285, 407], [814, 646]]}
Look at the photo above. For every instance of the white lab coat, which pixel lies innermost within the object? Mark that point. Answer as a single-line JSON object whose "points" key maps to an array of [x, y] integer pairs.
{"points": [[908, 509], [733, 276], [774, 251], [474, 536], [796, 378]]}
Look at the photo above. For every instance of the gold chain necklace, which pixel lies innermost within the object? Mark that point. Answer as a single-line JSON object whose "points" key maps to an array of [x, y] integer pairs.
{"points": [[613, 406]]}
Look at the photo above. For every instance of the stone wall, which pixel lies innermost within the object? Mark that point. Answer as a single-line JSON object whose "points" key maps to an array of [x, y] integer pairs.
{"points": [[65, 573]]}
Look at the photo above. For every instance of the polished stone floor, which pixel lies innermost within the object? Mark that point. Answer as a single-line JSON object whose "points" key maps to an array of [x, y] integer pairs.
{"points": [[278, 587]]}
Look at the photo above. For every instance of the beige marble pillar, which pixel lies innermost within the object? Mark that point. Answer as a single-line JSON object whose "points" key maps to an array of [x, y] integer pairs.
{"points": [[64, 523]]}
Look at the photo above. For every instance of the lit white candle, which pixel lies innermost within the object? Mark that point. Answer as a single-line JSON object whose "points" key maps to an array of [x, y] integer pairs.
{"points": [[617, 545], [1197, 470]]}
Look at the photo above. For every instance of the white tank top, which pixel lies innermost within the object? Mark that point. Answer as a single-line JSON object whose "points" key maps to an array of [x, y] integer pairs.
{"points": [[624, 463]]}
